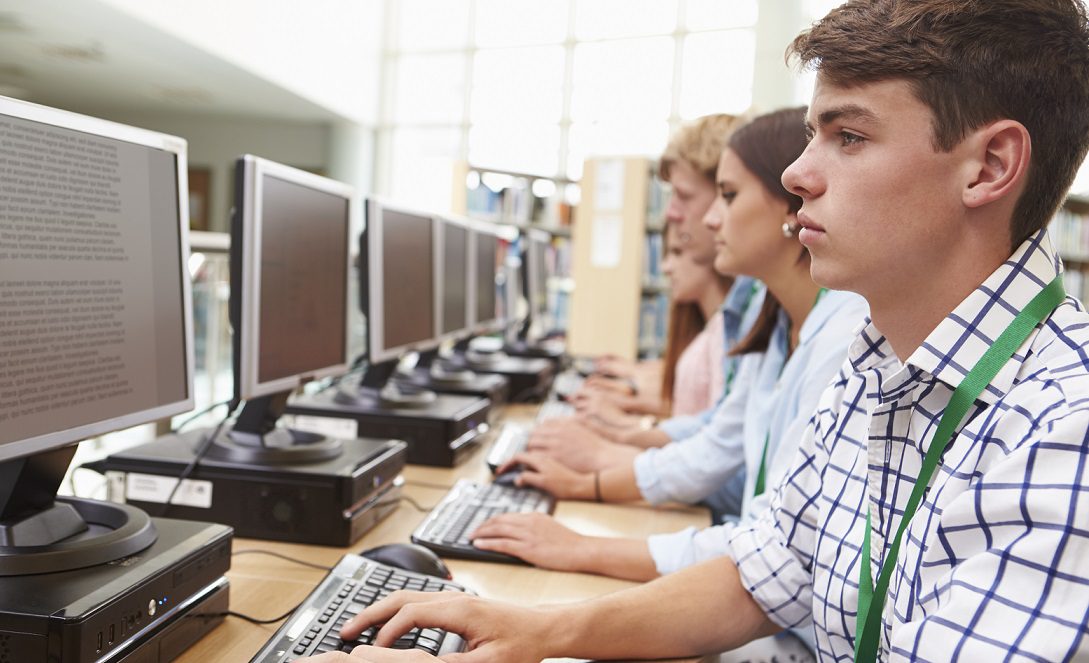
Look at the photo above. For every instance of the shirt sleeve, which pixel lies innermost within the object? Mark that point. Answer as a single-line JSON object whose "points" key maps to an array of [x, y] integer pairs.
{"points": [[678, 428], [1019, 588], [774, 549], [690, 469], [673, 552]]}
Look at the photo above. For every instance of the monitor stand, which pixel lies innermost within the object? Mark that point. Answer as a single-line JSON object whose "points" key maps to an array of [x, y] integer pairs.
{"points": [[255, 438], [442, 374], [42, 533], [530, 377], [440, 428]]}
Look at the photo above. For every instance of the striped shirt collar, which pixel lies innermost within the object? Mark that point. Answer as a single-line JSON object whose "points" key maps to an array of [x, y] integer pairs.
{"points": [[959, 341]]}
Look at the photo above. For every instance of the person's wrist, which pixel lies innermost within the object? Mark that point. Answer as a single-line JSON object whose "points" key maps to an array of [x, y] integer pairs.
{"points": [[565, 634], [584, 487]]}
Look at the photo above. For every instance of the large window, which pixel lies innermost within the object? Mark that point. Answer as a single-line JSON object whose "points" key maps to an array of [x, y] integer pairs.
{"points": [[536, 87]]}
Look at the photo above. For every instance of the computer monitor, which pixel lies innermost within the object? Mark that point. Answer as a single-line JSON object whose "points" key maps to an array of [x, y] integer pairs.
{"points": [[401, 307], [452, 286], [484, 257], [536, 259], [290, 264], [95, 320]]}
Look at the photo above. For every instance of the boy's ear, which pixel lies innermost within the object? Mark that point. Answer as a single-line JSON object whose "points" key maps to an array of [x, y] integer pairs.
{"points": [[999, 166]]}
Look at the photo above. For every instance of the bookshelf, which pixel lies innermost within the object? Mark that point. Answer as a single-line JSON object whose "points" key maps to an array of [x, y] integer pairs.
{"points": [[524, 200], [620, 304], [1070, 236]]}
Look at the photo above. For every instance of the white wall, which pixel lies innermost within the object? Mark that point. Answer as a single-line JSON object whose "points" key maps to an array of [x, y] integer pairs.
{"points": [[215, 143], [328, 51]]}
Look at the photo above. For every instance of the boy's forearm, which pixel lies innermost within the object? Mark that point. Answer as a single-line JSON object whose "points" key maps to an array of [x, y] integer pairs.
{"points": [[699, 610]]}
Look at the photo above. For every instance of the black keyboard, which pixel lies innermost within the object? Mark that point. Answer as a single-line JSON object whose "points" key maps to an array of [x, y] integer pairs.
{"points": [[352, 585], [468, 504]]}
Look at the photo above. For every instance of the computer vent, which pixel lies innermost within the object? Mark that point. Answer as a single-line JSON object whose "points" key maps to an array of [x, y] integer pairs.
{"points": [[5, 649]]}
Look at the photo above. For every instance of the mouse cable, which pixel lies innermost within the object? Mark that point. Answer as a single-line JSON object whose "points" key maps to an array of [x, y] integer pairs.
{"points": [[255, 551], [424, 484], [406, 498]]}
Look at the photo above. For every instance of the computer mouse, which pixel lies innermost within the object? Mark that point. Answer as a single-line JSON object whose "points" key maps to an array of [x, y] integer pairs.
{"points": [[410, 557], [508, 478]]}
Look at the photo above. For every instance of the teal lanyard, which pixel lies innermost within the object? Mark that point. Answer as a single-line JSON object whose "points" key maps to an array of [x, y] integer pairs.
{"points": [[762, 473], [871, 600]]}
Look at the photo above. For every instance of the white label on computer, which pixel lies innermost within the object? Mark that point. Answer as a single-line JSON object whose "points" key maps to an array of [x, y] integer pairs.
{"points": [[154, 488], [334, 427]]}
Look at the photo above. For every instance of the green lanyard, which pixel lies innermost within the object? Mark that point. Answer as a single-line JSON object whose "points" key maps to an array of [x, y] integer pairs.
{"points": [[761, 474], [871, 600]]}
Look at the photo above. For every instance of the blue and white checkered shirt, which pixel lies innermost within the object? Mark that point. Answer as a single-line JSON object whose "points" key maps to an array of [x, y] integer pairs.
{"points": [[995, 563]]}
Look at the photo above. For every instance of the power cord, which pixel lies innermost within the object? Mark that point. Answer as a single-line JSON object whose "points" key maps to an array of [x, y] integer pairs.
{"points": [[198, 456], [193, 417]]}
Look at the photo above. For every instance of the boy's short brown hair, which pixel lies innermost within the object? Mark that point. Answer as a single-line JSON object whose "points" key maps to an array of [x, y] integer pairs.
{"points": [[699, 144], [973, 62]]}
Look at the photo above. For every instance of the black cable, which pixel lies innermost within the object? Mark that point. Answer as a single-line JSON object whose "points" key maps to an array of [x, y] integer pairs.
{"points": [[198, 456], [406, 498], [192, 417], [254, 620], [255, 551]]}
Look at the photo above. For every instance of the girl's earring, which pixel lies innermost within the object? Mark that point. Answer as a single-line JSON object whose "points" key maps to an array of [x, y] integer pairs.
{"points": [[789, 229]]}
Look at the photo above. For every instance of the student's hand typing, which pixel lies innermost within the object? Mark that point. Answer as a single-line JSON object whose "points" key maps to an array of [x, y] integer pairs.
{"points": [[535, 537], [493, 631], [576, 446], [615, 365], [373, 655], [541, 472]]}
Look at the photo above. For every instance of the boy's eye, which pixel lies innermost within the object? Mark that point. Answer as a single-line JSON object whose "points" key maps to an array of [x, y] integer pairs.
{"points": [[847, 138]]}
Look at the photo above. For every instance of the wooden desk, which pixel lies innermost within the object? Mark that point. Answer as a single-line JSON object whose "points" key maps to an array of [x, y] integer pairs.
{"points": [[265, 587]]}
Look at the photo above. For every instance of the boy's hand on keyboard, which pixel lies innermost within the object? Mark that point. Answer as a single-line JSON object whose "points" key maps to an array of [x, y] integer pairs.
{"points": [[492, 631], [576, 446], [535, 537], [541, 472], [373, 655]]}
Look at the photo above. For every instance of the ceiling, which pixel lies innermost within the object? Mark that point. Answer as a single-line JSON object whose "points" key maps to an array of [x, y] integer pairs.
{"points": [[86, 56]]}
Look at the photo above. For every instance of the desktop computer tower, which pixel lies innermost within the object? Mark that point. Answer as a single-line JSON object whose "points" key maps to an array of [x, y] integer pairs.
{"points": [[441, 433], [148, 607], [330, 502]]}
